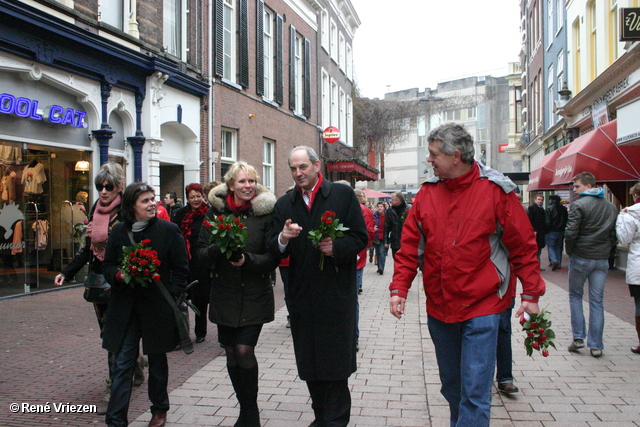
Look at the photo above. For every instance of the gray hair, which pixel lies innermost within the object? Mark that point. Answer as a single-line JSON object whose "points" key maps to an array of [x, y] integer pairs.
{"points": [[452, 137], [343, 182], [112, 173], [313, 156]]}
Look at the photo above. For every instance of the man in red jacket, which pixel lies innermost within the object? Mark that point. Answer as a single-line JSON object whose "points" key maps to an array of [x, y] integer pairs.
{"points": [[468, 233]]}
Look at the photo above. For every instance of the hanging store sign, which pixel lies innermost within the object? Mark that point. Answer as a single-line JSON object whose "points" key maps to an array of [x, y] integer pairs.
{"points": [[629, 24], [28, 108]]}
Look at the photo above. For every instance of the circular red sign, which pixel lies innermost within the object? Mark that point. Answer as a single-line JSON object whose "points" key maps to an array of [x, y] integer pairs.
{"points": [[331, 134]]}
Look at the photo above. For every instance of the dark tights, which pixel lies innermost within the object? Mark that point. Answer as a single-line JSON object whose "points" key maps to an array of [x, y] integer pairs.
{"points": [[241, 355]]}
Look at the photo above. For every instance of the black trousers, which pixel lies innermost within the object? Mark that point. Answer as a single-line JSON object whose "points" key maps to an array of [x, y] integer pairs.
{"points": [[331, 402]]}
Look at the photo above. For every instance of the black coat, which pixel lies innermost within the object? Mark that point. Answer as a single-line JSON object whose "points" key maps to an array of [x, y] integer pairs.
{"points": [[396, 220], [322, 303], [538, 218], [148, 304], [241, 296], [197, 270], [558, 217]]}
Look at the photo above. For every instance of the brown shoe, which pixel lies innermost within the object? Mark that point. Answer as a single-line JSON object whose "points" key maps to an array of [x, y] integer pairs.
{"points": [[635, 350], [158, 420], [507, 388]]}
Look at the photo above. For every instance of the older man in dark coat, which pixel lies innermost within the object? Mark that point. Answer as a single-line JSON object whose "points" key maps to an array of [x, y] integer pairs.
{"points": [[321, 301]]}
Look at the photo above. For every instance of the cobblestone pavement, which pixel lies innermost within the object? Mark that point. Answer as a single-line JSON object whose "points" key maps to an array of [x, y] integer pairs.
{"points": [[50, 352]]}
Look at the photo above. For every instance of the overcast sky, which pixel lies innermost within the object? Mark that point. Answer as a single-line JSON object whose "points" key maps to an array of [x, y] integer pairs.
{"points": [[402, 44]]}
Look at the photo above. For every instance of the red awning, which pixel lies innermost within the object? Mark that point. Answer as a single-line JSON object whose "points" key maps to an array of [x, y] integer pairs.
{"points": [[373, 194], [598, 153], [541, 177], [349, 166]]}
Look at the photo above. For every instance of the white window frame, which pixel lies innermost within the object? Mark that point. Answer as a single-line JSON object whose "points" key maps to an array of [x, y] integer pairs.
{"points": [[180, 49], [348, 130], [299, 62], [268, 164], [333, 120], [342, 52], [324, 31], [471, 113], [333, 40], [559, 15], [349, 64], [550, 22], [268, 54], [325, 95], [343, 113], [230, 137], [229, 41], [551, 93]]}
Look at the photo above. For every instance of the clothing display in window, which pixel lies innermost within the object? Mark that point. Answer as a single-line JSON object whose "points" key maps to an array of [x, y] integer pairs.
{"points": [[40, 228], [16, 248], [33, 177], [10, 154], [7, 186]]}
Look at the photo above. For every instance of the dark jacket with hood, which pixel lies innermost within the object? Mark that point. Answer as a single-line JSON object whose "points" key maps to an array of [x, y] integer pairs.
{"points": [[591, 228], [241, 296]]}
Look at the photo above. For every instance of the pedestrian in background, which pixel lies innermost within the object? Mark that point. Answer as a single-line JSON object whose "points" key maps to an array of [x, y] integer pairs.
{"points": [[628, 233], [241, 292], [538, 218], [189, 218], [322, 301], [468, 245], [397, 214], [589, 236], [171, 203], [137, 312], [558, 216], [381, 236], [362, 256]]}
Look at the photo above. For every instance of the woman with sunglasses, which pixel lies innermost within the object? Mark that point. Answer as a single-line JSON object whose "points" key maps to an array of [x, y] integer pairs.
{"points": [[189, 219], [140, 311], [104, 214]]}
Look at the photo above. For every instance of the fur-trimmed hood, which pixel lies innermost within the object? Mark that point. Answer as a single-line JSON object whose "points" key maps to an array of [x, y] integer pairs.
{"points": [[262, 204]]}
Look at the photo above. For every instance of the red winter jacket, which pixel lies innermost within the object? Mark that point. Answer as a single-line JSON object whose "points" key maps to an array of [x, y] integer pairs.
{"points": [[369, 221], [450, 225]]}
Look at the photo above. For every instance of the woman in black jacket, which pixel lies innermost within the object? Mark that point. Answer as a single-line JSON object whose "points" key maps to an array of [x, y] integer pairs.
{"points": [[104, 214], [241, 291], [137, 311], [189, 219]]}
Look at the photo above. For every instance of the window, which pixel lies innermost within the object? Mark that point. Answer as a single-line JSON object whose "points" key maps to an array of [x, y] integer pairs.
{"points": [[172, 19], [471, 113], [343, 113], [229, 41], [334, 103], [551, 95], [268, 54], [560, 68], [518, 108], [112, 13], [348, 134], [333, 34], [268, 162], [550, 22], [576, 56], [613, 30], [593, 51], [298, 74], [342, 51], [325, 120], [559, 14], [324, 30], [349, 64], [228, 145]]}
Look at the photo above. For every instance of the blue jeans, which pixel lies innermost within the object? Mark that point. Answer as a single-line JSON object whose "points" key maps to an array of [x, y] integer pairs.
{"points": [[504, 356], [466, 354], [122, 378], [555, 239], [596, 270], [381, 252], [359, 273]]}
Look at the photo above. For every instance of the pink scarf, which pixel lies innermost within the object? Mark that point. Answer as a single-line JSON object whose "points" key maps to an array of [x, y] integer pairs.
{"points": [[98, 229]]}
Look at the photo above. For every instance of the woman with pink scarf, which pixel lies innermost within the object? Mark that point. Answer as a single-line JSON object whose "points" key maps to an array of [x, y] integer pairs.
{"points": [[104, 214]]}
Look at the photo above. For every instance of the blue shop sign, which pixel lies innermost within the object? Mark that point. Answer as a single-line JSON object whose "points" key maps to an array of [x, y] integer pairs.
{"points": [[28, 108]]}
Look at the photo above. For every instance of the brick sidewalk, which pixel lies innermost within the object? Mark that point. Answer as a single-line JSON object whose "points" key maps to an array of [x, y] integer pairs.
{"points": [[50, 352]]}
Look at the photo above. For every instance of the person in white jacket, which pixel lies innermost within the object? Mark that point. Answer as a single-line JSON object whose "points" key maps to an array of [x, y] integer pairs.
{"points": [[628, 232]]}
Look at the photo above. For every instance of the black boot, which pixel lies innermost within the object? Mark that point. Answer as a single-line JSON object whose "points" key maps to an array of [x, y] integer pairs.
{"points": [[637, 349], [234, 375], [249, 398]]}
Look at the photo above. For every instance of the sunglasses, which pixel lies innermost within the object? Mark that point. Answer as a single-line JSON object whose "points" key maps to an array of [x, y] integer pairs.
{"points": [[108, 187]]}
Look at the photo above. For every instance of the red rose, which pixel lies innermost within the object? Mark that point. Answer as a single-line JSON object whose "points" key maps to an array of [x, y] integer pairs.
{"points": [[541, 331], [323, 219], [236, 220], [329, 221], [241, 225], [134, 269], [220, 226], [228, 227], [530, 334], [146, 242], [144, 262], [535, 345], [146, 272], [220, 218], [157, 262], [545, 352], [156, 277], [543, 337], [534, 325], [207, 224]]}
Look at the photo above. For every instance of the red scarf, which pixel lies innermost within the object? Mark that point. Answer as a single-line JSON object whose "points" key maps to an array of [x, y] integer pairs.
{"points": [[98, 228], [237, 209], [313, 192], [186, 226]]}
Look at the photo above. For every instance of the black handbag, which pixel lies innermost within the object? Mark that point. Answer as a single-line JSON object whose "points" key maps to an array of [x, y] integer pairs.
{"points": [[96, 289]]}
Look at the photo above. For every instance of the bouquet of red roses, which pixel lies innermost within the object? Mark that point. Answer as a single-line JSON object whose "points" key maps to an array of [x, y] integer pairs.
{"points": [[539, 333], [329, 227], [140, 264], [229, 233]]}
